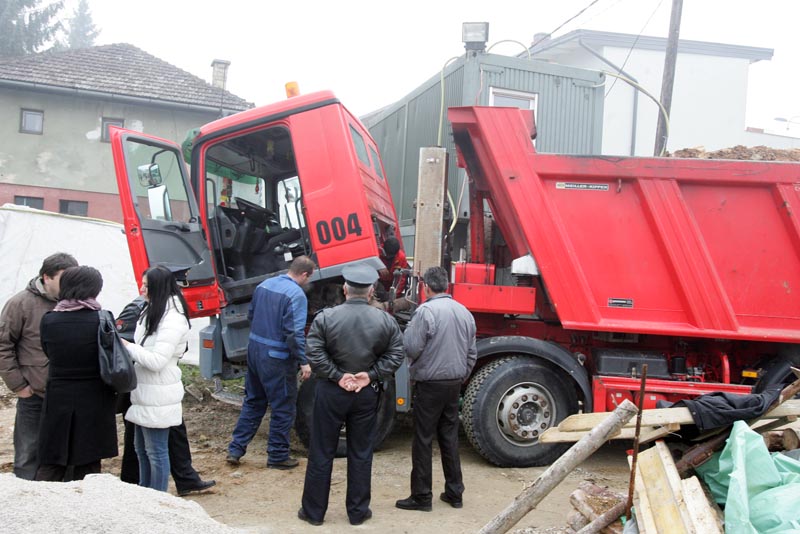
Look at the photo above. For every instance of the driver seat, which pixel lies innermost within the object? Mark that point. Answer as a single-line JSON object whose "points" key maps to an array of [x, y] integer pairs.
{"points": [[281, 239]]}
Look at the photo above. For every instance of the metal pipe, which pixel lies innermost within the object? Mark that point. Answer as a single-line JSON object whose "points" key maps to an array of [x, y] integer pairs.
{"points": [[635, 120]]}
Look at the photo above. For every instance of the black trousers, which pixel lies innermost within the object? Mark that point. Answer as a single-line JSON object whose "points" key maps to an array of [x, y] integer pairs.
{"points": [[436, 414], [180, 458], [333, 407]]}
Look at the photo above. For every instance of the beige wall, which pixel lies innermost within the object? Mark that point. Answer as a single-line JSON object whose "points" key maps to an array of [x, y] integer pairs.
{"points": [[69, 156]]}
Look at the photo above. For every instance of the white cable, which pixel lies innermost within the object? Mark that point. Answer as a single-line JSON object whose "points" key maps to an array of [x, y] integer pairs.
{"points": [[654, 99]]}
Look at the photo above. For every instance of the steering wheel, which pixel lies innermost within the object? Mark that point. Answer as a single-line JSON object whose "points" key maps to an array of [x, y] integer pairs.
{"points": [[258, 214]]}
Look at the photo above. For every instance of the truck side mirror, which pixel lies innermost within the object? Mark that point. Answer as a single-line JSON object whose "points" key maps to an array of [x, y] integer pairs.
{"points": [[149, 175]]}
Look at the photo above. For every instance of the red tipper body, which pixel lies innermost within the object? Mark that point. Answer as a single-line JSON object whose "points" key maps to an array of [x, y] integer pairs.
{"points": [[679, 247]]}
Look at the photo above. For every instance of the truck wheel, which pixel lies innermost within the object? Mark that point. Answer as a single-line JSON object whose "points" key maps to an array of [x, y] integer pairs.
{"points": [[778, 369], [305, 414], [509, 403]]}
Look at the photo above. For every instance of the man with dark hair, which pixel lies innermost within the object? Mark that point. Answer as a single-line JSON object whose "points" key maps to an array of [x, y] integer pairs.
{"points": [[277, 345], [440, 346], [23, 363], [394, 258], [352, 348]]}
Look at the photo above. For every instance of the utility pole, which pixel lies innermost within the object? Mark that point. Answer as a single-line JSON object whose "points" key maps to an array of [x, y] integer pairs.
{"points": [[668, 78]]}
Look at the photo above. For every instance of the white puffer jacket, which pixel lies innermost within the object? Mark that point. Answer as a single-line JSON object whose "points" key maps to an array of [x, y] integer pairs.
{"points": [[156, 401]]}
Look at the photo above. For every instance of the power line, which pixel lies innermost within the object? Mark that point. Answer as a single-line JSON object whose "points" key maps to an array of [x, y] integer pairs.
{"points": [[622, 68], [578, 14]]}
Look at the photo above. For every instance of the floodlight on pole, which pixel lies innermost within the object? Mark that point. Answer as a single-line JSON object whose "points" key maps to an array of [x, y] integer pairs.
{"points": [[475, 35]]}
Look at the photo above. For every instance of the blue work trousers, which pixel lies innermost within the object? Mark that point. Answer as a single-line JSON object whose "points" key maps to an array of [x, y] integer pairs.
{"points": [[269, 381]]}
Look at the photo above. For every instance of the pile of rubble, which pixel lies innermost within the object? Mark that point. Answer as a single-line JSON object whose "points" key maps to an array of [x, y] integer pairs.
{"points": [[713, 458], [756, 153]]}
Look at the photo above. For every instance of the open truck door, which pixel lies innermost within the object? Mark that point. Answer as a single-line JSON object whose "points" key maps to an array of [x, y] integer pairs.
{"points": [[162, 220]]}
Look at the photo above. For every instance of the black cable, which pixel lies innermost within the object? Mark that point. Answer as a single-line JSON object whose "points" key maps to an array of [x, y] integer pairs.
{"points": [[578, 14], [622, 68]]}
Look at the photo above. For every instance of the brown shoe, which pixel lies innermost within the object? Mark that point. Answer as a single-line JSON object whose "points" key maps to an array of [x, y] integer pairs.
{"points": [[289, 463]]}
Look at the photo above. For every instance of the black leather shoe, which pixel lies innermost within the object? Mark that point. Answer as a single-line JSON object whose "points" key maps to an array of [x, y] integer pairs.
{"points": [[233, 459], [200, 488], [413, 504], [455, 503], [289, 463], [301, 514], [366, 517]]}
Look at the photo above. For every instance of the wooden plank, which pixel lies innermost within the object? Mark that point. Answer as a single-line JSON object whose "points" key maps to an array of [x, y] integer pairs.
{"points": [[587, 421], [663, 416], [648, 434], [641, 504], [704, 519], [660, 478], [658, 432]]}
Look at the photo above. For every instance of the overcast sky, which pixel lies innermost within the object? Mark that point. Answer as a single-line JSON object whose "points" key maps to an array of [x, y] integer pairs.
{"points": [[373, 53]]}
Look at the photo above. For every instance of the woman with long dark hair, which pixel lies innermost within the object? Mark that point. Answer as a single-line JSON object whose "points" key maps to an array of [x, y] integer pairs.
{"points": [[78, 425], [160, 341]]}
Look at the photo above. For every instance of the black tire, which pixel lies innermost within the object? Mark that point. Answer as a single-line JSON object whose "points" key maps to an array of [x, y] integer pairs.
{"points": [[778, 369], [305, 414], [543, 398]]}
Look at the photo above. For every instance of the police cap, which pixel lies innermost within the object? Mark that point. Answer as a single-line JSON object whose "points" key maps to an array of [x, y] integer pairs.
{"points": [[360, 275]]}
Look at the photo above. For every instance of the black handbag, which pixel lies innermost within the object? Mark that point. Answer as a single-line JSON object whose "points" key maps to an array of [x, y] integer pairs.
{"points": [[116, 365]]}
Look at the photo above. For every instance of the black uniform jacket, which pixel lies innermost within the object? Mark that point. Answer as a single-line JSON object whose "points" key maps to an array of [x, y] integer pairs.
{"points": [[354, 337]]}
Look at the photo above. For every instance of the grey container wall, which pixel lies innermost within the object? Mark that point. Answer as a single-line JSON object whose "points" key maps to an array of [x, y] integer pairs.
{"points": [[569, 118]]}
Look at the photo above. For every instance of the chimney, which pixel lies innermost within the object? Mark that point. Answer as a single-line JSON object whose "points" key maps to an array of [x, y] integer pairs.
{"points": [[540, 38], [219, 73]]}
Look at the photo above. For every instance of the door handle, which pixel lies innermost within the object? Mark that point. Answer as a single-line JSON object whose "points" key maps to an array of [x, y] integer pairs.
{"points": [[183, 227]]}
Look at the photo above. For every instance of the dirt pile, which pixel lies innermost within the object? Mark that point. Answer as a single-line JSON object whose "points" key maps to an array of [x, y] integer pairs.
{"points": [[756, 153]]}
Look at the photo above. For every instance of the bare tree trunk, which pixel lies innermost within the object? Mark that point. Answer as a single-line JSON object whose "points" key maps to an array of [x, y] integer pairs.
{"points": [[532, 495]]}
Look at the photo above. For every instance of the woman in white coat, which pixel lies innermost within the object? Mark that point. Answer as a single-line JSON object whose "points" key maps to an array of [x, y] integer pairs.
{"points": [[161, 334]]}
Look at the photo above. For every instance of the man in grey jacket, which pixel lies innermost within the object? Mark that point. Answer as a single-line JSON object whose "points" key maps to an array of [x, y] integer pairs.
{"points": [[440, 346], [23, 363]]}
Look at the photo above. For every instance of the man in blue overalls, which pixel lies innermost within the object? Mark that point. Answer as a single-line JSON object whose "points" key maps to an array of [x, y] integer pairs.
{"points": [[277, 345]]}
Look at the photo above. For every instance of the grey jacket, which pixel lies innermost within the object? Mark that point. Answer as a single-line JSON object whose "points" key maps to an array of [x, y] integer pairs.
{"points": [[440, 340], [22, 359], [354, 337]]}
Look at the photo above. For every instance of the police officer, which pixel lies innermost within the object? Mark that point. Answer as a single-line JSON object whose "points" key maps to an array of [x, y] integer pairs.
{"points": [[351, 348]]}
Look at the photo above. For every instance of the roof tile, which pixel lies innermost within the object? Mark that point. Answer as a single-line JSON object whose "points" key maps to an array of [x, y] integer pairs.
{"points": [[121, 69]]}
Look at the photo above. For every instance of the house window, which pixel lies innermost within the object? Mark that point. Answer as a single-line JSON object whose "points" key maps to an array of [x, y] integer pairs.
{"points": [[512, 99], [73, 207], [107, 121], [508, 98], [31, 202], [31, 121]]}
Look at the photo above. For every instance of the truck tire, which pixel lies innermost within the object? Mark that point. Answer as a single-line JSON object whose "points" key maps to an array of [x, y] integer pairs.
{"points": [[778, 369], [305, 414], [516, 388]]}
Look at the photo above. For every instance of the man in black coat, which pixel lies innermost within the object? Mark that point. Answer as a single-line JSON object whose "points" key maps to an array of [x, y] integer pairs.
{"points": [[351, 349]]}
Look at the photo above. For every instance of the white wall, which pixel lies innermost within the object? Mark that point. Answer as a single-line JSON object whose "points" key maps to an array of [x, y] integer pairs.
{"points": [[709, 101]]}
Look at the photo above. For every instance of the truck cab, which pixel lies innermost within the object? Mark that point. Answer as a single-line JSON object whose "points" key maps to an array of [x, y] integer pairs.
{"points": [[298, 177]]}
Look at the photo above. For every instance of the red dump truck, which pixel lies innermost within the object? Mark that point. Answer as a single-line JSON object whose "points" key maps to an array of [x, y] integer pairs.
{"points": [[597, 265], [689, 266]]}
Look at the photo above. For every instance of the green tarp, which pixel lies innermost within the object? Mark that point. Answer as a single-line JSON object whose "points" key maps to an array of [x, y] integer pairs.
{"points": [[760, 491]]}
